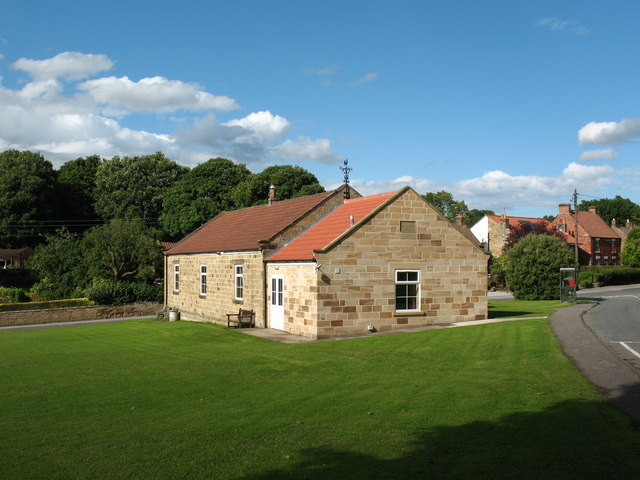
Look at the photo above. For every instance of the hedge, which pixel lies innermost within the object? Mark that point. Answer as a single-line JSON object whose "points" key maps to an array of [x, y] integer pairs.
{"points": [[607, 275], [123, 293]]}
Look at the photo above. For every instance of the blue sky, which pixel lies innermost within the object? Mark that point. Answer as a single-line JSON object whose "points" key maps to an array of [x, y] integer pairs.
{"points": [[509, 105]]}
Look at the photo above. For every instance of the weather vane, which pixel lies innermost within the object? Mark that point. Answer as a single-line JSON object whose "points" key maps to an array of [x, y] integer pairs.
{"points": [[346, 169]]}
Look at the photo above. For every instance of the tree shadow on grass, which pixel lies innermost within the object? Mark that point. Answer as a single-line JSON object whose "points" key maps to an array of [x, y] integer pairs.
{"points": [[571, 440]]}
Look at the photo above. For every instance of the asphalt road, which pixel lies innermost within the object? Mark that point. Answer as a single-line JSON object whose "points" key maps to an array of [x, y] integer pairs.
{"points": [[616, 321]]}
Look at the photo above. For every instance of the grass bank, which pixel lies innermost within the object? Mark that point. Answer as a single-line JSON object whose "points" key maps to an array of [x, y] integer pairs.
{"points": [[146, 399]]}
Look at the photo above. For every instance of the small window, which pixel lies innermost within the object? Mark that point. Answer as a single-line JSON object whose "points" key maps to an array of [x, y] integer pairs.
{"points": [[407, 227], [176, 277], [597, 240], [203, 279], [239, 283], [407, 290]]}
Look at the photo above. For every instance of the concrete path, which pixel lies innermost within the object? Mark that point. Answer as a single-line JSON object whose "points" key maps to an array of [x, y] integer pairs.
{"points": [[618, 382]]}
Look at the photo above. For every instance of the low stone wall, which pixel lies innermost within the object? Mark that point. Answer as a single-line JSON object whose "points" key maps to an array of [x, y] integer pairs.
{"points": [[57, 315]]}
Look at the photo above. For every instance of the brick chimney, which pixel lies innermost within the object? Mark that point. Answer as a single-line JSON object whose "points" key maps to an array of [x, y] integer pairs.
{"points": [[460, 219], [504, 221], [593, 210], [272, 195], [614, 223], [564, 209]]}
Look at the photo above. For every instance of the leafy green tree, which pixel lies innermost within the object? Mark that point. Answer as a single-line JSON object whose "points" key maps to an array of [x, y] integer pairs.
{"points": [[123, 250], [474, 215], [549, 218], [622, 209], [533, 267], [446, 204], [200, 195], [76, 192], [630, 256], [61, 266], [27, 197], [133, 187], [290, 182]]}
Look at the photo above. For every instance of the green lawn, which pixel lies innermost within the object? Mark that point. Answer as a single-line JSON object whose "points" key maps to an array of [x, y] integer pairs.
{"points": [[524, 308], [147, 399]]}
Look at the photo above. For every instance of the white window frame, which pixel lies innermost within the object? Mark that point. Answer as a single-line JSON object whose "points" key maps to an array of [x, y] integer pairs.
{"points": [[203, 280], [238, 284], [398, 282], [176, 277]]}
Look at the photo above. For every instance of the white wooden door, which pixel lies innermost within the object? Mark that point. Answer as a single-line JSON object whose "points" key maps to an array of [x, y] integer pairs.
{"points": [[276, 309]]}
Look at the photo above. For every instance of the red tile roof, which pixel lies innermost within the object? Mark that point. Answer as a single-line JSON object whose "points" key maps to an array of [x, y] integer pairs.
{"points": [[513, 220], [595, 226], [329, 228], [242, 229]]}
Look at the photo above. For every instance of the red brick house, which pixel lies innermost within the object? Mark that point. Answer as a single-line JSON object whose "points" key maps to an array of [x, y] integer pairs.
{"points": [[334, 267], [598, 243]]}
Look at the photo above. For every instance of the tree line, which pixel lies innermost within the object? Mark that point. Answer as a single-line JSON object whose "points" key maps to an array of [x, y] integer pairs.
{"points": [[36, 199], [96, 224]]}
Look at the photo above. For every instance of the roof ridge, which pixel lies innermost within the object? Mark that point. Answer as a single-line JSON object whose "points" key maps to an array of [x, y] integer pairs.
{"points": [[369, 197]]}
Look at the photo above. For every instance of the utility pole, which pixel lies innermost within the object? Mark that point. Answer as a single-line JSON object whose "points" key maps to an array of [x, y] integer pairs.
{"points": [[575, 219]]}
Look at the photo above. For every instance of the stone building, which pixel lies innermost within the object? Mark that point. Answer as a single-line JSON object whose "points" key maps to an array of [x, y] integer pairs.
{"points": [[219, 267], [377, 263]]}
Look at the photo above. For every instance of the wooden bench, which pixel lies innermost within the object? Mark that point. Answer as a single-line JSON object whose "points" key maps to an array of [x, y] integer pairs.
{"points": [[244, 318]]}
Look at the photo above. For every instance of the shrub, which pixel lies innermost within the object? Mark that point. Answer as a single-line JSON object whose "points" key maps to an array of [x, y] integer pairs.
{"points": [[533, 267], [630, 256], [13, 295], [122, 293], [608, 275]]}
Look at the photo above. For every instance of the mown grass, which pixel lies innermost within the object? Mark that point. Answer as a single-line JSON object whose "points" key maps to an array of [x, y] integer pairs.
{"points": [[524, 308], [147, 399]]}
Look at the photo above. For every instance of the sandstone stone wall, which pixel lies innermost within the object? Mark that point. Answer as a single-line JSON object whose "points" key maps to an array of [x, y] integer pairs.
{"points": [[498, 233], [219, 299], [300, 297], [58, 315], [356, 283]]}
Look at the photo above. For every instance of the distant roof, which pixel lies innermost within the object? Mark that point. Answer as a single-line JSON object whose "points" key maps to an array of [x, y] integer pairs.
{"points": [[530, 221], [329, 228], [9, 253], [595, 226], [243, 229], [523, 220]]}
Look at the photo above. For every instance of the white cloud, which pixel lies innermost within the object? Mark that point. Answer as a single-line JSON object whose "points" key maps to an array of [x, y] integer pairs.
{"points": [[497, 190], [602, 154], [64, 119], [526, 195], [367, 78], [371, 187], [305, 149], [155, 94], [555, 24], [263, 126], [610, 133], [68, 65]]}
